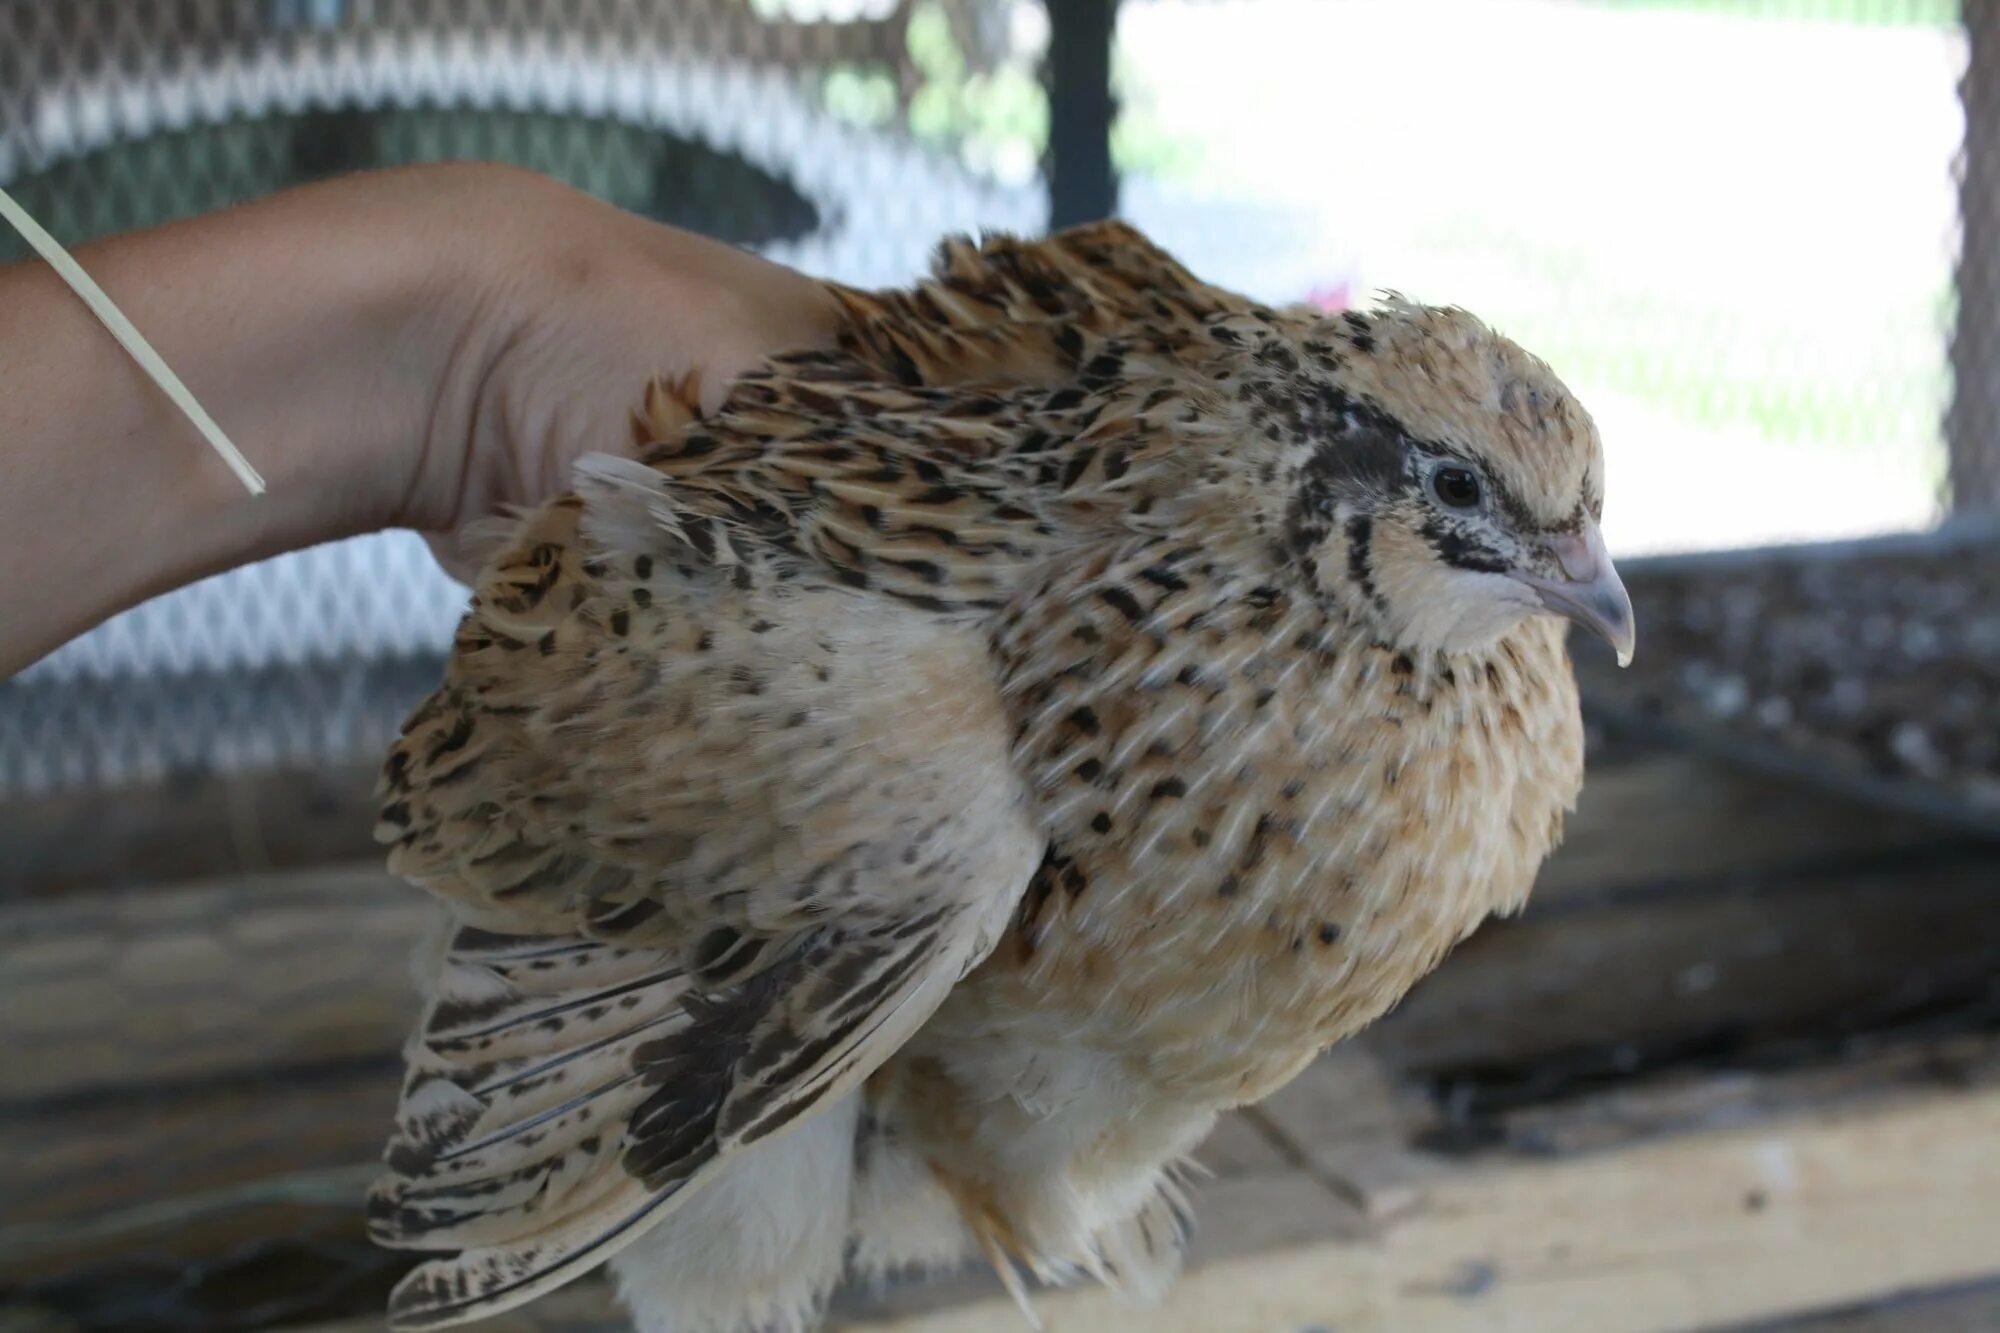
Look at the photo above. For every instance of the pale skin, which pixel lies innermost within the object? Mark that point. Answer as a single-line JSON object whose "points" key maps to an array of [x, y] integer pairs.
{"points": [[403, 349]]}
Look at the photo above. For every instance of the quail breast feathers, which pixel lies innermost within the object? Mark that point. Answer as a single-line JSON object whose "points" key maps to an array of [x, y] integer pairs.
{"points": [[890, 818]]}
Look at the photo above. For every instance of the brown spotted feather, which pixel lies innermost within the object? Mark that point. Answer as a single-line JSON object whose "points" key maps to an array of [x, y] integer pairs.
{"points": [[1043, 715]]}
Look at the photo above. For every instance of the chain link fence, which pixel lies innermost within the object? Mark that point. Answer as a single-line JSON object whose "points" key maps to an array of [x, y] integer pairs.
{"points": [[1749, 272], [1759, 238]]}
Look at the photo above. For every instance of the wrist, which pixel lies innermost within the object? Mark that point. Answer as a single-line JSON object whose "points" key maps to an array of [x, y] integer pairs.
{"points": [[329, 313], [559, 308], [493, 247], [309, 324], [430, 298]]}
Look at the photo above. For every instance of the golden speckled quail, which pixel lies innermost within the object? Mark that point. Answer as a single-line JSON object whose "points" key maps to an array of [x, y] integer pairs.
{"points": [[892, 817]]}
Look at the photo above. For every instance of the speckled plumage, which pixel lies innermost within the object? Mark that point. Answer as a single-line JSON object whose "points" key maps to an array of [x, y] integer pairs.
{"points": [[898, 814]]}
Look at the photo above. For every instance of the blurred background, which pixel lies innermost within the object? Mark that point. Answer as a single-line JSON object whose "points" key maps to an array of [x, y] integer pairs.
{"points": [[1760, 238]]}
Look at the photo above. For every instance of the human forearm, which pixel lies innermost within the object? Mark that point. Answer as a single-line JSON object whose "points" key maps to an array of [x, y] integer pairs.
{"points": [[308, 328], [403, 348]]}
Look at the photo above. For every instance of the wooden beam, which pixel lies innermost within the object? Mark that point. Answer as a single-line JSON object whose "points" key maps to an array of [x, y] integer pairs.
{"points": [[1725, 966], [1688, 1233], [192, 828], [134, 996], [177, 1053], [198, 1168], [1667, 820], [263, 973], [286, 971], [1745, 1219], [1242, 1217], [1973, 1308], [1658, 818], [191, 1174]]}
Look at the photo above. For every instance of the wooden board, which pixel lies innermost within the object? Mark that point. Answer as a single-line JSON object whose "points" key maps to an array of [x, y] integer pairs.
{"points": [[1662, 820], [1675, 1235], [1655, 818], [260, 974], [1662, 920], [132, 1015], [194, 1060], [1711, 1229], [1962, 1309], [187, 829], [189, 1173], [290, 972], [1716, 967]]}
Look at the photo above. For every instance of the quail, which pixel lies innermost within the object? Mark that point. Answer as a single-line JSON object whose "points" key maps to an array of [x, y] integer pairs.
{"points": [[887, 820]]}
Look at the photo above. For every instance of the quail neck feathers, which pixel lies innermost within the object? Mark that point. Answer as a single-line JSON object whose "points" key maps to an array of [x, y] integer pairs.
{"points": [[889, 819]]}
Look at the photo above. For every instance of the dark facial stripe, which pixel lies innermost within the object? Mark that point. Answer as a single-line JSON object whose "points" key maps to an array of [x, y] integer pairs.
{"points": [[1460, 550], [1360, 564]]}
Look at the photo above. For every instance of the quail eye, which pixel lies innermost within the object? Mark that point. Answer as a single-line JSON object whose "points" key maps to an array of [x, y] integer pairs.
{"points": [[1456, 486]]}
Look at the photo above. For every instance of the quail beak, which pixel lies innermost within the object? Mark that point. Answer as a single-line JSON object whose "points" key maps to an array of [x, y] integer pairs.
{"points": [[1586, 588]]}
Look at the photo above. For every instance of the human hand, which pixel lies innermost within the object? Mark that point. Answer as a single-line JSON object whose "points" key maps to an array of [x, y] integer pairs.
{"points": [[408, 348], [575, 306]]}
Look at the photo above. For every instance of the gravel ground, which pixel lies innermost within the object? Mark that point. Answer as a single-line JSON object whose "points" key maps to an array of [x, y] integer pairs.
{"points": [[1871, 664]]}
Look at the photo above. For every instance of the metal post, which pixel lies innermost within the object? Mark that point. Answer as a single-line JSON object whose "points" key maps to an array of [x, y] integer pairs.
{"points": [[1082, 185], [1972, 423]]}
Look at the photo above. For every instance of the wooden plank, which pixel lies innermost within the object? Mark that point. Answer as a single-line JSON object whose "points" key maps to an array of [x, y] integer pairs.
{"points": [[190, 1173], [1686, 1101], [1667, 819], [1244, 1216], [273, 971], [1636, 979], [229, 1165], [1349, 1122], [1704, 1231], [196, 1170], [1656, 819], [172, 1055], [264, 972], [188, 829], [1236, 1217], [295, 971], [152, 1025], [112, 988], [1349, 1127], [1674, 1235], [195, 1173], [1972, 1309], [1243, 1145]]}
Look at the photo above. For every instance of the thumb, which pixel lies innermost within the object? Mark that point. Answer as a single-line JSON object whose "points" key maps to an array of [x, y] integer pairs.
{"points": [[667, 407]]}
